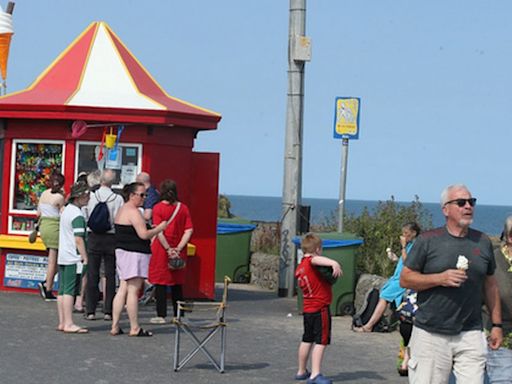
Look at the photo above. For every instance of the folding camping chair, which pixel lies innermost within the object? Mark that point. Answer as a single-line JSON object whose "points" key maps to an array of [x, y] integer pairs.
{"points": [[211, 321]]}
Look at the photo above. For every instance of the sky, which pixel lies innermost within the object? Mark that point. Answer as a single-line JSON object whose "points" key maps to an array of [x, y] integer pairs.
{"points": [[433, 78]]}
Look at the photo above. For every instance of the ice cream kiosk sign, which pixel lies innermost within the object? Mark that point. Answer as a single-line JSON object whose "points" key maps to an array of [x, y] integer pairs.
{"points": [[346, 118]]}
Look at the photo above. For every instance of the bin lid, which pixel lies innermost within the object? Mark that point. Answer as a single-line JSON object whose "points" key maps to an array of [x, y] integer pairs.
{"points": [[330, 243], [224, 228]]}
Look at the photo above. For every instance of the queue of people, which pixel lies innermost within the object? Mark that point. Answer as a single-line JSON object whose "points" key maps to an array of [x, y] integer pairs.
{"points": [[97, 231]]}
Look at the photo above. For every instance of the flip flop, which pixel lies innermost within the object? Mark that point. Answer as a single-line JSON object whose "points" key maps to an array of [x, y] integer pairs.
{"points": [[78, 330], [142, 333], [119, 332]]}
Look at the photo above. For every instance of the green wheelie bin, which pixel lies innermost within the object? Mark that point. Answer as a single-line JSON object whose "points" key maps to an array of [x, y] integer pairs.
{"points": [[233, 250], [342, 248]]}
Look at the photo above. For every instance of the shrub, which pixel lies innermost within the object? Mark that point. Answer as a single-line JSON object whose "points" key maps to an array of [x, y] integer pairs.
{"points": [[223, 208], [380, 228], [265, 238]]}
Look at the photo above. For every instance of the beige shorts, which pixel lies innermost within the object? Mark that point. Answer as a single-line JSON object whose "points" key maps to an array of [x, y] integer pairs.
{"points": [[433, 356]]}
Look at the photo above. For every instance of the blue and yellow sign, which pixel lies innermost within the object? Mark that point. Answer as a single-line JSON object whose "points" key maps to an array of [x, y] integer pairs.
{"points": [[346, 117]]}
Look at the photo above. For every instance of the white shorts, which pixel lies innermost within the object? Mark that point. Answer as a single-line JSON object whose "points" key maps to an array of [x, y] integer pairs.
{"points": [[433, 356]]}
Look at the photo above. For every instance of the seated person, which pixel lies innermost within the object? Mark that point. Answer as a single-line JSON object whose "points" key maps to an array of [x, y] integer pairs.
{"points": [[392, 291]]}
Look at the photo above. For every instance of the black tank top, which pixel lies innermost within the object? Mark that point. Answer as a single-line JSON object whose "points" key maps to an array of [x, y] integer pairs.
{"points": [[127, 239]]}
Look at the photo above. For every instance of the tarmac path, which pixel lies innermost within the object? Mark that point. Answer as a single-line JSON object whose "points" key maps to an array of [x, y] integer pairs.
{"points": [[262, 341]]}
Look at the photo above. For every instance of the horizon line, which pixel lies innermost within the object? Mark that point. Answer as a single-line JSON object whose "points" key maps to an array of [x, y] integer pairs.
{"points": [[351, 199]]}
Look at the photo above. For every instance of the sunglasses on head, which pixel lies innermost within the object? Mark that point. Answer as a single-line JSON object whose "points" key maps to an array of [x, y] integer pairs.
{"points": [[462, 202]]}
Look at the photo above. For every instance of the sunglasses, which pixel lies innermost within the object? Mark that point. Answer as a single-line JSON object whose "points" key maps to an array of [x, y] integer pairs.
{"points": [[462, 202], [143, 195]]}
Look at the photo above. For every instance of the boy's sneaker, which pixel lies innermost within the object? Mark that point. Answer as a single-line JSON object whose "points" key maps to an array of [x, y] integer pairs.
{"points": [[319, 379], [42, 289], [157, 320], [90, 316], [304, 376], [49, 296]]}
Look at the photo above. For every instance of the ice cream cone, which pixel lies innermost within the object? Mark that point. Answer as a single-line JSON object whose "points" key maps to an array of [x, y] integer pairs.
{"points": [[462, 263], [5, 43]]}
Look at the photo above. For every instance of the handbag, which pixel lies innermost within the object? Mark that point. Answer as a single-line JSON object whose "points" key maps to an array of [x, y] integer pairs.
{"points": [[32, 237], [174, 262]]}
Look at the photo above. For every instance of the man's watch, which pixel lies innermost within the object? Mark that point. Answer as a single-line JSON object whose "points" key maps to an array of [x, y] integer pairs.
{"points": [[497, 325]]}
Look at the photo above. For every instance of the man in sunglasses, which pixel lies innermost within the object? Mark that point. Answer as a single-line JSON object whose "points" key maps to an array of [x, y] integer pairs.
{"points": [[452, 269]]}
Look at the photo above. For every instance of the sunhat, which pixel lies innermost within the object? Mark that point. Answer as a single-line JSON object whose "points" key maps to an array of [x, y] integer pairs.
{"points": [[78, 189]]}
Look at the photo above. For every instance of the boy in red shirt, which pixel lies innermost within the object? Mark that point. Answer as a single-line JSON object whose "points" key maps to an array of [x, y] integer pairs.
{"points": [[317, 293]]}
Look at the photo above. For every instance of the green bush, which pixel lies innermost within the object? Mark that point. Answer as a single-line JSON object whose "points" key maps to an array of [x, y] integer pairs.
{"points": [[380, 228], [265, 238], [223, 208]]}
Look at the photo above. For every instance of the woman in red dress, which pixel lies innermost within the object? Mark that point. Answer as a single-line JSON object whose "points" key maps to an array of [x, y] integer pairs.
{"points": [[171, 243]]}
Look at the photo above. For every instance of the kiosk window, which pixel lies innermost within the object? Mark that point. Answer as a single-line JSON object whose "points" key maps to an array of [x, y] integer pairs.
{"points": [[125, 160], [33, 165]]}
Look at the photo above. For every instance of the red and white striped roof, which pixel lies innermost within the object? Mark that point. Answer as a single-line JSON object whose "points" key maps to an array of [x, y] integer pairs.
{"points": [[97, 78]]}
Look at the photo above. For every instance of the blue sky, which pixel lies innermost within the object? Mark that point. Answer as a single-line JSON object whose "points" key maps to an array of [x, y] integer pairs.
{"points": [[433, 78]]}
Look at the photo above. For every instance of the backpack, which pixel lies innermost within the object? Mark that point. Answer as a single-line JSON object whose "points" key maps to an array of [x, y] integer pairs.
{"points": [[99, 220], [364, 313], [387, 323]]}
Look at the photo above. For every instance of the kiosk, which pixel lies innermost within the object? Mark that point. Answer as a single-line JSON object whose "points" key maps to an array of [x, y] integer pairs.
{"points": [[66, 122]]}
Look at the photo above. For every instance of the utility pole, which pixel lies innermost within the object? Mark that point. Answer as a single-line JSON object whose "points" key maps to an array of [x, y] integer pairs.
{"points": [[343, 183], [299, 51]]}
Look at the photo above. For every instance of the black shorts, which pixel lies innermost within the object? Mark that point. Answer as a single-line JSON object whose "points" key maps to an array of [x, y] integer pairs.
{"points": [[317, 327]]}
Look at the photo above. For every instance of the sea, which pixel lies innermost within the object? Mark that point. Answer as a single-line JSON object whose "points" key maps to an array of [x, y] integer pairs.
{"points": [[487, 218]]}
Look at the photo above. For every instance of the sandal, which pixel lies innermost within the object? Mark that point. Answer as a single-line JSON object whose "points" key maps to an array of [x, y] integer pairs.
{"points": [[77, 330], [142, 333], [119, 332]]}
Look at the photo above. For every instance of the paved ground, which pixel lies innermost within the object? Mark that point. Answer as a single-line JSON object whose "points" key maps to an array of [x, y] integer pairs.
{"points": [[261, 347]]}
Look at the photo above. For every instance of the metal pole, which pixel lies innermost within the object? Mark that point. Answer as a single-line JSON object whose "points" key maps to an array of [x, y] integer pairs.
{"points": [[343, 183], [292, 183]]}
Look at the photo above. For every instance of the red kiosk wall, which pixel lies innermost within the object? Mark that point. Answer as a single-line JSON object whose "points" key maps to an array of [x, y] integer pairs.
{"points": [[203, 207], [196, 175], [6, 174]]}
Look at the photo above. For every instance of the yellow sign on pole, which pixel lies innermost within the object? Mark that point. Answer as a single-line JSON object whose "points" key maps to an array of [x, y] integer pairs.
{"points": [[346, 118]]}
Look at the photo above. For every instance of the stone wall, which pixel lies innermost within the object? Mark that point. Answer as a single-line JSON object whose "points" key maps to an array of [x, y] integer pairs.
{"points": [[264, 270]]}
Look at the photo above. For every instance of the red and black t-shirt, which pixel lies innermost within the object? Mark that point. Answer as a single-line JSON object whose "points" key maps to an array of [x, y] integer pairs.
{"points": [[317, 292]]}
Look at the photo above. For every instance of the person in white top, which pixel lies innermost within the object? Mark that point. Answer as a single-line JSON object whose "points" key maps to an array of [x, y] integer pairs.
{"points": [[72, 251], [101, 248], [50, 204]]}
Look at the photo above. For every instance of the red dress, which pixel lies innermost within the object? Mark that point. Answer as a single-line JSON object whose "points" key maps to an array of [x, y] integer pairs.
{"points": [[159, 272]]}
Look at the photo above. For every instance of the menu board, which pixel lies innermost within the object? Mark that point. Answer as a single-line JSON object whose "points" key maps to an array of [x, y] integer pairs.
{"points": [[24, 271]]}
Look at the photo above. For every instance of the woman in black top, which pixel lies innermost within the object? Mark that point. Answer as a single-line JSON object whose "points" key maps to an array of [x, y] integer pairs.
{"points": [[132, 257]]}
